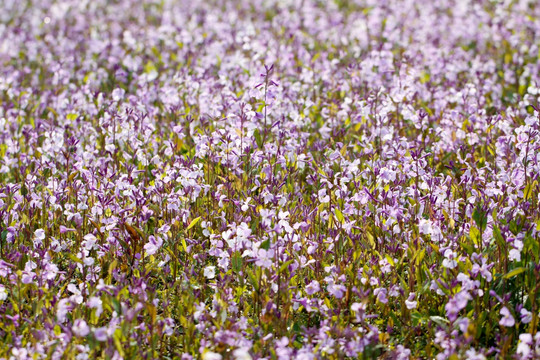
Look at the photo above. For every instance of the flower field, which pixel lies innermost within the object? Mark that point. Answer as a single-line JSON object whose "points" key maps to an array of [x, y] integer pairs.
{"points": [[273, 179]]}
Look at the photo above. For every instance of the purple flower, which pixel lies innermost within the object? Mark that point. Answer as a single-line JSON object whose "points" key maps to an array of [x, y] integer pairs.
{"points": [[456, 304], [101, 334], [526, 316], [264, 258], [507, 318], [359, 310], [381, 294], [337, 290], [153, 245], [313, 287], [80, 328]]}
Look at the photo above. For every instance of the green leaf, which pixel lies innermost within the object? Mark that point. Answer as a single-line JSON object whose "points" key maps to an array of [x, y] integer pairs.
{"points": [[265, 244], [134, 231], [371, 239], [184, 245], [252, 279], [258, 139], [514, 227], [514, 272], [193, 223], [498, 237], [74, 258], [424, 77], [474, 233], [480, 218], [124, 244], [72, 116], [116, 305], [532, 245], [339, 215], [236, 261], [150, 67], [117, 343], [72, 176], [420, 256], [439, 320], [284, 266], [417, 318], [527, 193]]}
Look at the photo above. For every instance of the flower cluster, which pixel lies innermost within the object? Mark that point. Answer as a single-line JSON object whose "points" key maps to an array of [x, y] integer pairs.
{"points": [[270, 179]]}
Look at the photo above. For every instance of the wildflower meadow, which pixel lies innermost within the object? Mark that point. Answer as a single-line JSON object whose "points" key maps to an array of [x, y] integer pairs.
{"points": [[269, 179]]}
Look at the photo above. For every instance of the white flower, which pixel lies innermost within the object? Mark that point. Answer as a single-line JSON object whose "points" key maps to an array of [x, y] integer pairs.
{"points": [[387, 175], [95, 303], [210, 355], [283, 215], [531, 120], [210, 272], [39, 236], [471, 354], [410, 302], [533, 90], [80, 328], [424, 226], [385, 266], [118, 94], [323, 198], [77, 294], [89, 241], [3, 293], [449, 261], [245, 205], [241, 354], [515, 255], [524, 346]]}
